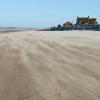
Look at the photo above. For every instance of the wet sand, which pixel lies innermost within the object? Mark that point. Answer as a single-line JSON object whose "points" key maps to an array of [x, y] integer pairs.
{"points": [[37, 65]]}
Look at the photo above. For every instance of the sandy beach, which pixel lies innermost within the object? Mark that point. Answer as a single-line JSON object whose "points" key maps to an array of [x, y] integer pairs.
{"points": [[40, 65]]}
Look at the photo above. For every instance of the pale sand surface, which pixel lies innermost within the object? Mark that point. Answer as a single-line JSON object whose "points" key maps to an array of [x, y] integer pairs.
{"points": [[50, 65], [12, 30]]}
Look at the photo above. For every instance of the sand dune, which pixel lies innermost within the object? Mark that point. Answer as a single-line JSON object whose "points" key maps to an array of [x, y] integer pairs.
{"points": [[50, 65]]}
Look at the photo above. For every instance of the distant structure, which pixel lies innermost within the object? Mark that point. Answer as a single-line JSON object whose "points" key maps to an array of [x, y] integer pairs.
{"points": [[67, 24], [83, 21]]}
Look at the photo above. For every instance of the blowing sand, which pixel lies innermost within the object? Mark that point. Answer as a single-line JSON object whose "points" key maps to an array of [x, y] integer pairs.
{"points": [[50, 65]]}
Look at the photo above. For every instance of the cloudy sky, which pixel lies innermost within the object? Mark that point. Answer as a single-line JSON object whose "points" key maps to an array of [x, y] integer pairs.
{"points": [[45, 13]]}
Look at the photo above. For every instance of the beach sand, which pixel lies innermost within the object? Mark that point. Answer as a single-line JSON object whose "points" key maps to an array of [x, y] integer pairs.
{"points": [[37, 65]]}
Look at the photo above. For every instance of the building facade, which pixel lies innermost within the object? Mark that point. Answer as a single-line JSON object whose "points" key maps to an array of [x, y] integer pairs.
{"points": [[86, 21]]}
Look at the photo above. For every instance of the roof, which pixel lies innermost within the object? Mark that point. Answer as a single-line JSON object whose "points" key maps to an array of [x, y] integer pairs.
{"points": [[67, 23], [85, 18]]}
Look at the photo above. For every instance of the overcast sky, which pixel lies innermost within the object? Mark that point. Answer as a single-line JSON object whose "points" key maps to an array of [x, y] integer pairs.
{"points": [[45, 13]]}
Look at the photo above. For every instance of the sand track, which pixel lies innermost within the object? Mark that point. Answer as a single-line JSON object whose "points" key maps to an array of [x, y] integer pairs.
{"points": [[50, 65]]}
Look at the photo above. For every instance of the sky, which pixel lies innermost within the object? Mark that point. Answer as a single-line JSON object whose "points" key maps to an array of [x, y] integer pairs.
{"points": [[45, 13]]}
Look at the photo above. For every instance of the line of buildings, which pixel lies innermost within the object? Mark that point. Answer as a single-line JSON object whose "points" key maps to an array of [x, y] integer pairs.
{"points": [[82, 23]]}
